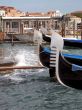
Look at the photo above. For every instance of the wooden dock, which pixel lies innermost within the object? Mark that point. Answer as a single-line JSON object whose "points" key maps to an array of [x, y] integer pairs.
{"points": [[21, 67]]}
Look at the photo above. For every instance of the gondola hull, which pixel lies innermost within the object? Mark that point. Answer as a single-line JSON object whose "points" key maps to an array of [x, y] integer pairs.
{"points": [[44, 56], [46, 38], [67, 42], [68, 72], [67, 75], [73, 43]]}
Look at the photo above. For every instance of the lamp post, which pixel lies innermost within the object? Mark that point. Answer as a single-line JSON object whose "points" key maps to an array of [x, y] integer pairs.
{"points": [[0, 23]]}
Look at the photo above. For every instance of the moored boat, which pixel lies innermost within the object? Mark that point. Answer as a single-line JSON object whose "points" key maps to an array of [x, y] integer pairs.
{"points": [[46, 38], [44, 56], [73, 42], [69, 74]]}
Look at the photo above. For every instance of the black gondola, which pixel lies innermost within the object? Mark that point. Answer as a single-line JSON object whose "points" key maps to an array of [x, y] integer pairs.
{"points": [[44, 55], [69, 74], [46, 38], [67, 41], [73, 43]]}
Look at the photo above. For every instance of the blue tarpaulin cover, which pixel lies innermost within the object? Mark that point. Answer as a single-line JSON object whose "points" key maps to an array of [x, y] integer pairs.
{"points": [[76, 67]]}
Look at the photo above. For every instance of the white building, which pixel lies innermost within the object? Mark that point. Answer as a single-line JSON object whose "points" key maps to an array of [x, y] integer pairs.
{"points": [[2, 13], [57, 13]]}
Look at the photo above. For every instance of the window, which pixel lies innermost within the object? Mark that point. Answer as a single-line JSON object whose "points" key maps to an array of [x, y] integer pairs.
{"points": [[7, 24], [15, 24]]}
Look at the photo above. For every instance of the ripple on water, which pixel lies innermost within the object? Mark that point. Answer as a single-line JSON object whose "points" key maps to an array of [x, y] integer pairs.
{"points": [[33, 89]]}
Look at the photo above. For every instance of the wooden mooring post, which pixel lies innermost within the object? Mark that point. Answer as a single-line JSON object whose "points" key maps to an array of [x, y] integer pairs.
{"points": [[12, 42]]}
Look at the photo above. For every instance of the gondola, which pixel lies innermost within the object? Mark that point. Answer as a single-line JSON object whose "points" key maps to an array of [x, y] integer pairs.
{"points": [[69, 74], [73, 42], [44, 55], [46, 37]]}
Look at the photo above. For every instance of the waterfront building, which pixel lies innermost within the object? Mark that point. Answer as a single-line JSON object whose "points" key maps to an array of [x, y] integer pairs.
{"points": [[19, 24], [70, 23]]}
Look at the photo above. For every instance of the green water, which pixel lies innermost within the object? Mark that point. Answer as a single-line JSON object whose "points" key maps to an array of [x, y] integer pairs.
{"points": [[33, 89]]}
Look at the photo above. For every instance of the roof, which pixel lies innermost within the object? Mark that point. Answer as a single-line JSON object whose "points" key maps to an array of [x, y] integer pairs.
{"points": [[26, 17]]}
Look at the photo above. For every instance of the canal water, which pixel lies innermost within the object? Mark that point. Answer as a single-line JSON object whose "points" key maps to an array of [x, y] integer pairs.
{"points": [[33, 89]]}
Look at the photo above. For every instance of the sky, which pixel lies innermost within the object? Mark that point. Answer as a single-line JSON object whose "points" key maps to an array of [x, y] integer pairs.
{"points": [[65, 6]]}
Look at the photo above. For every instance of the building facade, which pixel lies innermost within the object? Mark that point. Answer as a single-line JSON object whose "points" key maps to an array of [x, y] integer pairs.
{"points": [[20, 24]]}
